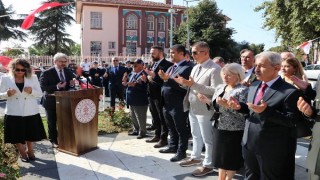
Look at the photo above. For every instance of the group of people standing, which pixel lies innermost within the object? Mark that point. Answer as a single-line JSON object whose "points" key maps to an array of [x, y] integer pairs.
{"points": [[244, 115]]}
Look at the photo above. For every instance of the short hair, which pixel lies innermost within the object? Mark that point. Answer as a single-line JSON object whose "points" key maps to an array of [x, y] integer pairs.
{"points": [[179, 48], [287, 55], [246, 50], [295, 63], [24, 63], [159, 48], [202, 45], [59, 55], [234, 68], [219, 58], [273, 57]]}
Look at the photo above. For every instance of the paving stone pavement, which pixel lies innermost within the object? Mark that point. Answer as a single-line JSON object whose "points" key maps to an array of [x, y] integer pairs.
{"points": [[120, 156]]}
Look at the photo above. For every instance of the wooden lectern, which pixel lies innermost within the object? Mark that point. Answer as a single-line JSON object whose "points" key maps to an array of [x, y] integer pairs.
{"points": [[77, 118]]}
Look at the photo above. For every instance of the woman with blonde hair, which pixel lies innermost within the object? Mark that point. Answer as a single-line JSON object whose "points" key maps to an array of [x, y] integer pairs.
{"points": [[228, 127], [292, 69], [22, 121]]}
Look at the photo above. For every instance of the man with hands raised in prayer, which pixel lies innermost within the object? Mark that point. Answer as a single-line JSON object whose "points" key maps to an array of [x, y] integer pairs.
{"points": [[268, 142]]}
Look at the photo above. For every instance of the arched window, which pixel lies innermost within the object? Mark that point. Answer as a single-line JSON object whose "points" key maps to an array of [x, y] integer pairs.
{"points": [[161, 23], [132, 22], [150, 22]]}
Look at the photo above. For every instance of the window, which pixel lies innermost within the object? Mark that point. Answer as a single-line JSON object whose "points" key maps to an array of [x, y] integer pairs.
{"points": [[131, 48], [149, 45], [96, 20], [132, 22], [111, 53], [95, 48], [161, 23], [161, 44], [150, 22], [112, 45]]}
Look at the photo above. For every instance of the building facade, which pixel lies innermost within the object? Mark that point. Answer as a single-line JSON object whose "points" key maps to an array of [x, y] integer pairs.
{"points": [[125, 27]]}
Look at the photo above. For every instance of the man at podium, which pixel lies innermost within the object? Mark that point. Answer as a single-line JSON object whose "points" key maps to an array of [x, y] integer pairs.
{"points": [[56, 78]]}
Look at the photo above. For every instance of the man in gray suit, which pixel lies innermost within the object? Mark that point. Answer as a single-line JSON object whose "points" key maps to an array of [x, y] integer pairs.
{"points": [[205, 76]]}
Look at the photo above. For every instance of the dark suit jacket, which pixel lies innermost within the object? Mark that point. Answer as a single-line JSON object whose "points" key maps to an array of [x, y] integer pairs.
{"points": [[172, 92], [277, 122], [48, 82], [154, 86], [137, 95], [97, 81], [115, 79]]}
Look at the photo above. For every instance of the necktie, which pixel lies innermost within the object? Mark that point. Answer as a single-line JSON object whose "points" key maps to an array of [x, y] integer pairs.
{"points": [[199, 70], [260, 93], [115, 70], [61, 76], [173, 69], [154, 66]]}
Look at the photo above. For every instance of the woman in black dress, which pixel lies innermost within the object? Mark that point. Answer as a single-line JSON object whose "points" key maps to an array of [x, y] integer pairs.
{"points": [[22, 121]]}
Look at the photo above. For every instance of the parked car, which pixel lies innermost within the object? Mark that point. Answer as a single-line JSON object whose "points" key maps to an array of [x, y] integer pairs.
{"points": [[312, 72]]}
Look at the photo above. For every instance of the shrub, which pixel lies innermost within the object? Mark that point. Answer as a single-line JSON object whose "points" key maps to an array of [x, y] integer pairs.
{"points": [[119, 117], [9, 168]]}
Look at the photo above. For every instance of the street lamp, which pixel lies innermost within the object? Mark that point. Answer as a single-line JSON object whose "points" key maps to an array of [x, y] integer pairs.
{"points": [[171, 11], [188, 29]]}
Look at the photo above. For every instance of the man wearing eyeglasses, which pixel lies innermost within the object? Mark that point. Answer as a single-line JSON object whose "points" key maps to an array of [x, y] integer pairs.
{"points": [[56, 78], [115, 74], [204, 78]]}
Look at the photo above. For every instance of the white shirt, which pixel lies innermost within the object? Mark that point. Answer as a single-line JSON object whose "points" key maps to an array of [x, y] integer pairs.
{"points": [[85, 66]]}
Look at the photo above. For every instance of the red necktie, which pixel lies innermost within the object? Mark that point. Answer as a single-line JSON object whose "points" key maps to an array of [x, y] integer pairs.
{"points": [[260, 94]]}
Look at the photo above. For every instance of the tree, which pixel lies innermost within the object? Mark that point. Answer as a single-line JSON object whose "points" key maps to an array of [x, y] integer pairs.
{"points": [[76, 50], [256, 48], [207, 23], [293, 21], [50, 29], [8, 26]]}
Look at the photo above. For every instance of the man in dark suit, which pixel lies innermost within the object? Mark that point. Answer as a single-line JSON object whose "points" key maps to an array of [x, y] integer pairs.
{"points": [[115, 74], [154, 91], [173, 95], [57, 78], [137, 98], [247, 63], [96, 74], [268, 144]]}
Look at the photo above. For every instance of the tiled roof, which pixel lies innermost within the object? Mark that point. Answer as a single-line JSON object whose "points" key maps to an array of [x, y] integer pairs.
{"points": [[135, 3]]}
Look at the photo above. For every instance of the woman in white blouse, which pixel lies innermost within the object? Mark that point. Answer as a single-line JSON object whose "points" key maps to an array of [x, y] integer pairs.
{"points": [[22, 121]]}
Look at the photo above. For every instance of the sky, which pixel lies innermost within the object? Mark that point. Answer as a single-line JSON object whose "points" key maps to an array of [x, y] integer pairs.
{"points": [[246, 22]]}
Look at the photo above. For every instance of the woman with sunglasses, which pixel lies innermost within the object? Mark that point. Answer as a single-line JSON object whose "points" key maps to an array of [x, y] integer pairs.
{"points": [[22, 121]]}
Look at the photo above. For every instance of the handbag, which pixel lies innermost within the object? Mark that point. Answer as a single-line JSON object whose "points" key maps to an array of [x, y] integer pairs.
{"points": [[304, 128]]}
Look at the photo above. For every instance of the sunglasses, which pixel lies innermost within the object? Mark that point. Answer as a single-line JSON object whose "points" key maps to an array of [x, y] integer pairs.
{"points": [[196, 52], [115, 60], [19, 70]]}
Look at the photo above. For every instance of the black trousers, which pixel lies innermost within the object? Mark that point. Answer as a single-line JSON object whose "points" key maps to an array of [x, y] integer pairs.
{"points": [[52, 124], [115, 91], [271, 161], [176, 121], [158, 120]]}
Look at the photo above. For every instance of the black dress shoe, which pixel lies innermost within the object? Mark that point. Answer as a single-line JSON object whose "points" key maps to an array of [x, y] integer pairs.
{"points": [[178, 157], [168, 150], [160, 144], [153, 140], [151, 128], [54, 144], [140, 136], [134, 133]]}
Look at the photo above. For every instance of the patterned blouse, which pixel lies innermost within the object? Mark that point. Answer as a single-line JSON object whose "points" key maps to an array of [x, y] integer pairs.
{"points": [[232, 120]]}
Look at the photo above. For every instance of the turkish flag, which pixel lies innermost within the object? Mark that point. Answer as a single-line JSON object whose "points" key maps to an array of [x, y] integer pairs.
{"points": [[28, 21], [305, 46], [4, 61]]}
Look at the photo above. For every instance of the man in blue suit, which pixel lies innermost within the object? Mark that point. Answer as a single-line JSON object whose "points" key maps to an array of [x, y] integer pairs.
{"points": [[137, 99], [115, 74], [173, 95]]}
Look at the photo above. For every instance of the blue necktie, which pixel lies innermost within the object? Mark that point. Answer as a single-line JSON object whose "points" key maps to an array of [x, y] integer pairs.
{"points": [[115, 70]]}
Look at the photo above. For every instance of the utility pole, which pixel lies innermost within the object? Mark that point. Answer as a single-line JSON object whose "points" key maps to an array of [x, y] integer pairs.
{"points": [[171, 11], [188, 28]]}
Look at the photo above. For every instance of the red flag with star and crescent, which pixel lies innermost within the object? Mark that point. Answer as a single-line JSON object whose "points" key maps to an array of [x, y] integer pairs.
{"points": [[28, 21]]}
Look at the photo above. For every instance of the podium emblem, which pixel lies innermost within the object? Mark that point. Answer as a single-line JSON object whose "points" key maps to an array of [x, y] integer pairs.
{"points": [[85, 110]]}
